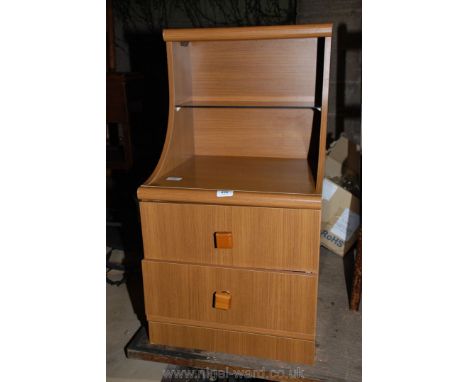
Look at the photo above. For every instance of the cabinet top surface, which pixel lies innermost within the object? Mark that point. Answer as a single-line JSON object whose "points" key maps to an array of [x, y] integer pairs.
{"points": [[271, 175]]}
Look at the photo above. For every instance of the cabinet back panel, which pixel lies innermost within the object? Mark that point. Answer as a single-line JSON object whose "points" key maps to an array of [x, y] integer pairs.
{"points": [[255, 70], [275, 133]]}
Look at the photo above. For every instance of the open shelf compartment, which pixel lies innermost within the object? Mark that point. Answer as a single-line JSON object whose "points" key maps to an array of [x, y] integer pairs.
{"points": [[246, 114], [277, 72]]}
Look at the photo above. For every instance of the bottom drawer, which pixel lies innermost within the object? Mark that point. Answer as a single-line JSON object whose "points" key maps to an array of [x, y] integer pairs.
{"points": [[281, 304], [227, 341]]}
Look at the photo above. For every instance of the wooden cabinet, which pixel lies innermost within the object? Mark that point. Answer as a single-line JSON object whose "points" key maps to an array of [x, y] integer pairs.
{"points": [[231, 214], [187, 233]]}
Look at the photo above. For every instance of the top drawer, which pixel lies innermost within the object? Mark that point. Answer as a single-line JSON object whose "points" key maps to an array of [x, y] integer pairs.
{"points": [[268, 238]]}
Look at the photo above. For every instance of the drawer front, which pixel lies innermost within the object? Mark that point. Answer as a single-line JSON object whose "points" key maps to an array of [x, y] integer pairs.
{"points": [[262, 302], [228, 341], [268, 238]]}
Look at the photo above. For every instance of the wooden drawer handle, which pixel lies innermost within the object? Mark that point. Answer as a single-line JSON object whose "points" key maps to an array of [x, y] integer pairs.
{"points": [[222, 300], [223, 240]]}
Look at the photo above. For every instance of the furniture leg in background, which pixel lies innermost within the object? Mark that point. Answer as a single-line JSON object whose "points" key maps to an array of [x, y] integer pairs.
{"points": [[357, 279]]}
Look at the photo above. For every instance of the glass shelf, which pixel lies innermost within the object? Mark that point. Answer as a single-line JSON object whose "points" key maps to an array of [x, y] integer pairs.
{"points": [[249, 105]]}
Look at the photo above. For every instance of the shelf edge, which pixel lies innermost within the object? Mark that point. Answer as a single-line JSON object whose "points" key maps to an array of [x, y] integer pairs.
{"points": [[240, 198], [248, 33]]}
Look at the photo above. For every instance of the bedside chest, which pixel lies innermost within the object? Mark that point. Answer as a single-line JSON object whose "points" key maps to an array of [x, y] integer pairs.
{"points": [[231, 214]]}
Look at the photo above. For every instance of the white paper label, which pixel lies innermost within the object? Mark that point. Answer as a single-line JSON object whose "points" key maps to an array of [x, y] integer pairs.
{"points": [[174, 178], [224, 193], [346, 225], [329, 189]]}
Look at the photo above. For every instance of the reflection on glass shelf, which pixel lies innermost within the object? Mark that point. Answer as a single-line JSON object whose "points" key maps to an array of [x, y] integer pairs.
{"points": [[250, 104]]}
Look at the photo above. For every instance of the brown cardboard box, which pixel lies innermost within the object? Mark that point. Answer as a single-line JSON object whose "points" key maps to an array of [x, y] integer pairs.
{"points": [[343, 159], [341, 209]]}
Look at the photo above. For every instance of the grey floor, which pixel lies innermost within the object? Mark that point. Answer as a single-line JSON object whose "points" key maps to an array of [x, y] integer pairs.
{"points": [[337, 328]]}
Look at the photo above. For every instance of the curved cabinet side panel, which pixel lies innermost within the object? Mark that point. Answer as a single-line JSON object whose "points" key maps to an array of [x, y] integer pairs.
{"points": [[179, 144]]}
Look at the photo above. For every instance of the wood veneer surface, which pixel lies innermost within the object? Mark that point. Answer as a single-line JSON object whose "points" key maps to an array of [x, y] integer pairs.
{"points": [[258, 70], [276, 302], [282, 175], [230, 341], [260, 154], [261, 103], [249, 33], [238, 198], [262, 238], [280, 133]]}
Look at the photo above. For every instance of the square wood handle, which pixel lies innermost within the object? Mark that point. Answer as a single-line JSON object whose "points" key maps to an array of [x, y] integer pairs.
{"points": [[222, 300], [223, 240]]}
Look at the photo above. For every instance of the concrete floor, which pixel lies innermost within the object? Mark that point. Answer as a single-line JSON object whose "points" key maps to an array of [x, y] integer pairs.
{"points": [[122, 323], [339, 328]]}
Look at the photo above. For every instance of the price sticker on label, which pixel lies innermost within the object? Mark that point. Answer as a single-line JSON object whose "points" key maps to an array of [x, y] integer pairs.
{"points": [[224, 193]]}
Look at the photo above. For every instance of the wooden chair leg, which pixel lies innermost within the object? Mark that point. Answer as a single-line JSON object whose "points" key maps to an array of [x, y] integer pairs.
{"points": [[357, 278]]}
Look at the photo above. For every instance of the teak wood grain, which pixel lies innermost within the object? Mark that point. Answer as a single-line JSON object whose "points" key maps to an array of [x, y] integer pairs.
{"points": [[181, 139], [261, 301], [264, 238], [248, 33], [253, 70], [247, 113], [181, 63], [281, 175], [258, 104], [222, 300], [236, 73], [252, 132], [230, 341], [239, 198], [178, 146]]}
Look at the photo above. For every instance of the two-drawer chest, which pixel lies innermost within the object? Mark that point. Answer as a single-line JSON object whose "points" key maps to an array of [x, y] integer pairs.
{"points": [[231, 214]]}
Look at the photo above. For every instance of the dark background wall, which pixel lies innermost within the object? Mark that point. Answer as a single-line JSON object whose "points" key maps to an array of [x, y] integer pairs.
{"points": [[346, 67], [139, 24]]}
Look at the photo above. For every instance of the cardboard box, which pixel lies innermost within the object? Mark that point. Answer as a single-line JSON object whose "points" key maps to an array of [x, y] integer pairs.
{"points": [[343, 159], [341, 205]]}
